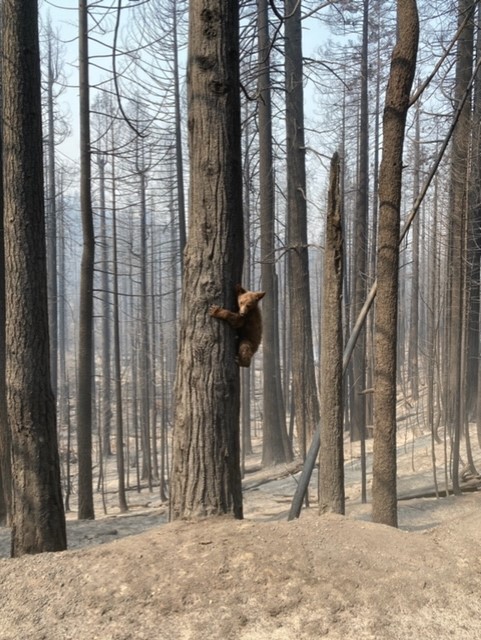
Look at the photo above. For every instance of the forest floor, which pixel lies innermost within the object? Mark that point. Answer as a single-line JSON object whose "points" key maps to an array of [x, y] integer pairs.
{"points": [[134, 576]]}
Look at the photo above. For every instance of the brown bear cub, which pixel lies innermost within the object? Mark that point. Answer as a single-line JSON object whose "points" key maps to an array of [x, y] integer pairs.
{"points": [[247, 321]]}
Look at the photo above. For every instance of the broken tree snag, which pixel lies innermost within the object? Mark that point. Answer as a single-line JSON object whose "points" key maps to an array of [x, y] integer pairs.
{"points": [[331, 459]]}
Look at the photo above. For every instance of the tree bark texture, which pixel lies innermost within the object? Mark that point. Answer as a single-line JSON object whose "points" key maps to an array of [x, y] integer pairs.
{"points": [[403, 65], [106, 398], [145, 364], [85, 348], [331, 460], [51, 236], [206, 477], [360, 261], [5, 441], [303, 375], [38, 522], [457, 241], [276, 445], [474, 361], [413, 346], [119, 415], [179, 162]]}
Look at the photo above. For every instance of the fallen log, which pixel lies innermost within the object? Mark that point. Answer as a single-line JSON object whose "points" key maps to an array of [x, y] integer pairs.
{"points": [[466, 487]]}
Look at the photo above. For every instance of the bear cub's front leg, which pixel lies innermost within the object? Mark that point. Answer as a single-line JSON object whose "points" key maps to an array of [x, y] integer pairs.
{"points": [[234, 319]]}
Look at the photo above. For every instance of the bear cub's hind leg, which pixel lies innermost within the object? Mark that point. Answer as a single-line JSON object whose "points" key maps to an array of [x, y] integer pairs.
{"points": [[245, 354]]}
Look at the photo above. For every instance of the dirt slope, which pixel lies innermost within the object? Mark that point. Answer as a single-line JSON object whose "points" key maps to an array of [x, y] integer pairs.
{"points": [[133, 577], [331, 577]]}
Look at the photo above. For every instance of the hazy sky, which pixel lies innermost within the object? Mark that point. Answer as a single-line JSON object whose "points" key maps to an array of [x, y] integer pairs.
{"points": [[64, 19]]}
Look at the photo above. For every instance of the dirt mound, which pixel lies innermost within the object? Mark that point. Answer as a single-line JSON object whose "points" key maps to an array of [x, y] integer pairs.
{"points": [[223, 579]]}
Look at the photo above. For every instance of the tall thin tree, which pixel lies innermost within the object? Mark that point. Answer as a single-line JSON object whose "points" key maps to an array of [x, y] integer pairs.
{"points": [[51, 215], [457, 287], [360, 248], [5, 444], [413, 365], [85, 348], [403, 65], [331, 459], [119, 412], [276, 445], [306, 404]]}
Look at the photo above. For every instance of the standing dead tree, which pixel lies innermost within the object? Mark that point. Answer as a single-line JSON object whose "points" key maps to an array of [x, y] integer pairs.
{"points": [[312, 454], [403, 66], [38, 521], [331, 460], [206, 478]]}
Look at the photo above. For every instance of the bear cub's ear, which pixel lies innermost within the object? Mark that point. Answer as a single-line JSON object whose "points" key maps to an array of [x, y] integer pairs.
{"points": [[260, 295], [240, 289]]}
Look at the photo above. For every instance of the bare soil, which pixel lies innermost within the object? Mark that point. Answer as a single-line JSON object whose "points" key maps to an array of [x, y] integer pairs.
{"points": [[134, 576]]}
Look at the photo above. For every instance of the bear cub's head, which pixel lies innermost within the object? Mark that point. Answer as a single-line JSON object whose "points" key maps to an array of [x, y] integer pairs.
{"points": [[248, 300]]}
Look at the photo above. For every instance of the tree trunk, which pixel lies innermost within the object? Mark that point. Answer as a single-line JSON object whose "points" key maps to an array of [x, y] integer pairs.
{"points": [[474, 245], [403, 65], [276, 445], [475, 261], [360, 249], [413, 367], [164, 397], [63, 385], [85, 348], [106, 413], [306, 404], [247, 388], [5, 440], [432, 325], [457, 234], [51, 236], [331, 459], [179, 163], [206, 478], [144, 351], [373, 248], [119, 413], [154, 399], [38, 521]]}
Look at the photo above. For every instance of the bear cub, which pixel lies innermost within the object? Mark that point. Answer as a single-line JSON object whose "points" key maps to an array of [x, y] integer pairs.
{"points": [[247, 321]]}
